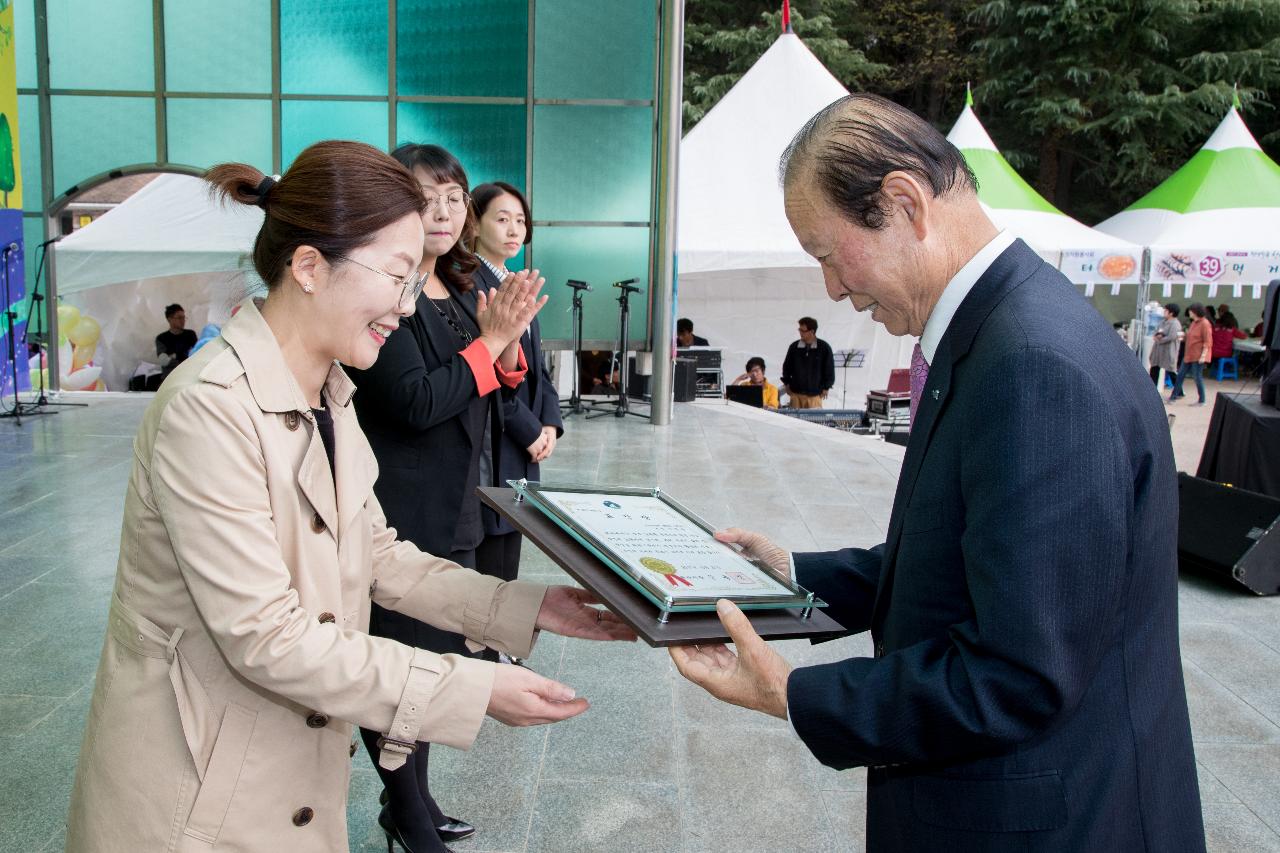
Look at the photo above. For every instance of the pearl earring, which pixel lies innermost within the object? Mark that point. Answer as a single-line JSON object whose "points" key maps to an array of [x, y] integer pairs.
{"points": [[308, 288]]}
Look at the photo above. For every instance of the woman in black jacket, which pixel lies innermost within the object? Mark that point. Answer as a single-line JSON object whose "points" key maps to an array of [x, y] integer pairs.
{"points": [[531, 421], [431, 407]]}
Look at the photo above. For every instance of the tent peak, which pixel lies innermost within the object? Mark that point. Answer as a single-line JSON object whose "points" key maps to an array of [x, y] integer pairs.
{"points": [[1231, 133], [968, 132], [786, 16]]}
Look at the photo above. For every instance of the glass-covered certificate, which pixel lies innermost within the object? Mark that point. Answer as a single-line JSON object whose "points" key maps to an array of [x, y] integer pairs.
{"points": [[661, 548]]}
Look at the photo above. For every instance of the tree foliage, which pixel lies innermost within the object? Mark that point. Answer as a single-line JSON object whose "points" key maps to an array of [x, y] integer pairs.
{"points": [[1094, 101]]}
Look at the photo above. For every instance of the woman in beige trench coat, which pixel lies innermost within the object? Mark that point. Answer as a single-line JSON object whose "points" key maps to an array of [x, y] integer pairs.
{"points": [[236, 659]]}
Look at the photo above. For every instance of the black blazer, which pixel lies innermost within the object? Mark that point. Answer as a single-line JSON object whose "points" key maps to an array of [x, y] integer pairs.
{"points": [[412, 404], [1026, 691], [533, 405]]}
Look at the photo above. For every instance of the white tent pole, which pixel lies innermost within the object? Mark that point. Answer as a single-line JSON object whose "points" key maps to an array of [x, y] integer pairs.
{"points": [[1139, 318]]}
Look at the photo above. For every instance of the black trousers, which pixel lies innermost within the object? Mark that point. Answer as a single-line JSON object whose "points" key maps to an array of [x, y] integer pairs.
{"points": [[499, 556]]}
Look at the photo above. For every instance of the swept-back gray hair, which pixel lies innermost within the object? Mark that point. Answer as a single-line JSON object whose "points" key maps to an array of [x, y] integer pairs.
{"points": [[851, 145]]}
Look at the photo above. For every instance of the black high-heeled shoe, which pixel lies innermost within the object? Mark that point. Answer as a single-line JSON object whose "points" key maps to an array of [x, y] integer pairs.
{"points": [[394, 836], [453, 829]]}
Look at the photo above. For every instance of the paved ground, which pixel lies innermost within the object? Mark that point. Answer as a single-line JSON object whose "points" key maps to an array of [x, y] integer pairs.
{"points": [[655, 765]]}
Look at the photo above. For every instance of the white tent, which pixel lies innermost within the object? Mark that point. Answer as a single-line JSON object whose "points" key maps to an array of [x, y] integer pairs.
{"points": [[169, 227], [168, 242], [743, 278]]}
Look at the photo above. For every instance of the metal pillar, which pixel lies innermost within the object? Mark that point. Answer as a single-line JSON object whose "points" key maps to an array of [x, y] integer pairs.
{"points": [[669, 111]]}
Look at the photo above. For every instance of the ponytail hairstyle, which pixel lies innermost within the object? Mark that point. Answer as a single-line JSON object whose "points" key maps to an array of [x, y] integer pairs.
{"points": [[335, 197], [456, 265]]}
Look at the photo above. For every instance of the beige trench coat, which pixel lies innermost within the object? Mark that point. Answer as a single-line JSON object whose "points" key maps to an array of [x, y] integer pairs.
{"points": [[237, 658]]}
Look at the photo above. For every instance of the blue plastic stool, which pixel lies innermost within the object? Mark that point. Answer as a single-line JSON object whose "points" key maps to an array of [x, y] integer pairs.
{"points": [[1223, 364]]}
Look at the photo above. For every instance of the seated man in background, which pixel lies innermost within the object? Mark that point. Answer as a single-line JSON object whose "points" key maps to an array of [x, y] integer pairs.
{"points": [[173, 346], [685, 336], [755, 376]]}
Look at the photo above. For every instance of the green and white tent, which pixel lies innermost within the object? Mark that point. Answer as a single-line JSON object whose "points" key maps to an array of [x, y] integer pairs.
{"points": [[1083, 254], [1215, 221]]}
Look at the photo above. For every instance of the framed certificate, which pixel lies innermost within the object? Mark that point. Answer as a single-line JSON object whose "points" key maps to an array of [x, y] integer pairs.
{"points": [[662, 549]]}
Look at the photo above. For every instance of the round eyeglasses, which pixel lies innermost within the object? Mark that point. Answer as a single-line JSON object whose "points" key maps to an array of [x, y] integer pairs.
{"points": [[456, 200], [410, 285]]}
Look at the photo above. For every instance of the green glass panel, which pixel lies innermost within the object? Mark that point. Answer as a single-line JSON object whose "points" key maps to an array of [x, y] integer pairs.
{"points": [[598, 256], [487, 139], [24, 22], [592, 163], [217, 47], [589, 49], [107, 44], [29, 151], [333, 47], [205, 131], [305, 122], [462, 47], [94, 134]]}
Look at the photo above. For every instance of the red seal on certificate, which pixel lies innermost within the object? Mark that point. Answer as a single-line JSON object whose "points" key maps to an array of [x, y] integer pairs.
{"points": [[665, 569]]}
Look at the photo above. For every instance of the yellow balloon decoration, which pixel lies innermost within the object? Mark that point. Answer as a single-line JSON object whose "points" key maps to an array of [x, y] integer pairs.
{"points": [[84, 333], [82, 355], [68, 316]]}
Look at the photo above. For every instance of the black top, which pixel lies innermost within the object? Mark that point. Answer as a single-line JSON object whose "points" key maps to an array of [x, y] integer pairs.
{"points": [[414, 406], [699, 342], [324, 423], [176, 344], [469, 530], [809, 370]]}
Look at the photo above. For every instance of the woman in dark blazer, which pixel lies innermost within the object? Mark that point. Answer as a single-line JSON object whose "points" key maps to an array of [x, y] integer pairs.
{"points": [[431, 406], [531, 414]]}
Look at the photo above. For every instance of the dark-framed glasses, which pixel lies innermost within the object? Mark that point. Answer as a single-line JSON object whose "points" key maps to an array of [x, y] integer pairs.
{"points": [[456, 200], [410, 285]]}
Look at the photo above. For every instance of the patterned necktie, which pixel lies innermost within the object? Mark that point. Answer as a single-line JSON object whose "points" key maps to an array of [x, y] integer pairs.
{"points": [[919, 376]]}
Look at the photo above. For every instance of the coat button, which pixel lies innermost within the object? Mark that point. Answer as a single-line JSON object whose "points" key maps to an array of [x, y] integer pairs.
{"points": [[291, 421], [317, 720], [303, 816], [326, 618], [317, 523]]}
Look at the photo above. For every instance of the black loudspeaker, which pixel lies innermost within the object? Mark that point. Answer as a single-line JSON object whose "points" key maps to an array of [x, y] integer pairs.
{"points": [[686, 380], [1229, 533]]}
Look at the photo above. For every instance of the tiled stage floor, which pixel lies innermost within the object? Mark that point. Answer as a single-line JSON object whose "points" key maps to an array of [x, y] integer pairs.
{"points": [[654, 765]]}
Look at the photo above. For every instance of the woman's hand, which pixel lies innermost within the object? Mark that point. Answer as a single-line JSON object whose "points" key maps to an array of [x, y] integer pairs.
{"points": [[757, 546], [505, 313], [521, 697], [567, 610], [537, 448], [549, 443]]}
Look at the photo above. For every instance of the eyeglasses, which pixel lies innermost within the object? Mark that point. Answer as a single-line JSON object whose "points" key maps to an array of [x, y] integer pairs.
{"points": [[411, 285], [457, 200]]}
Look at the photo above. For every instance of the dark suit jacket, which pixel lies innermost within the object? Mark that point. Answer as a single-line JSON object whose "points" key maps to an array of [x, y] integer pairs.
{"points": [[533, 405], [1026, 692], [412, 404]]}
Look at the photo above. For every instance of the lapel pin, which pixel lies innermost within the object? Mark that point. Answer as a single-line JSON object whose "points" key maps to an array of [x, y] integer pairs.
{"points": [[935, 393]]}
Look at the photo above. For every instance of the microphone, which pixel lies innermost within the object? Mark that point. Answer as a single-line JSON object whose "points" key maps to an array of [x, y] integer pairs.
{"points": [[578, 285], [51, 240], [627, 286]]}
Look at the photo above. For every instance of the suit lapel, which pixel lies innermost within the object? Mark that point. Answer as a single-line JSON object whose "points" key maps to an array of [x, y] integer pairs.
{"points": [[355, 466], [1011, 268], [316, 481]]}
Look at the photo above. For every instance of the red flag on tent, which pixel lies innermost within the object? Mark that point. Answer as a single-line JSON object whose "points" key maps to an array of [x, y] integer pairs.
{"points": [[786, 16]]}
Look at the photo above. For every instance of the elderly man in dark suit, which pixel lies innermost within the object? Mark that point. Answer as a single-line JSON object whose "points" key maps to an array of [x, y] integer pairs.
{"points": [[1026, 691]]}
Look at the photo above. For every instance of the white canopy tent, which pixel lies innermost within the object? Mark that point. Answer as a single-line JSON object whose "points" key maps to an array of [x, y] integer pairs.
{"points": [[743, 278], [168, 242], [169, 227]]}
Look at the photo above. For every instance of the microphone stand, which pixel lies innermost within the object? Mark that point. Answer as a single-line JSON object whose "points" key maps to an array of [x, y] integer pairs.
{"points": [[41, 338], [19, 409], [574, 405], [623, 407]]}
